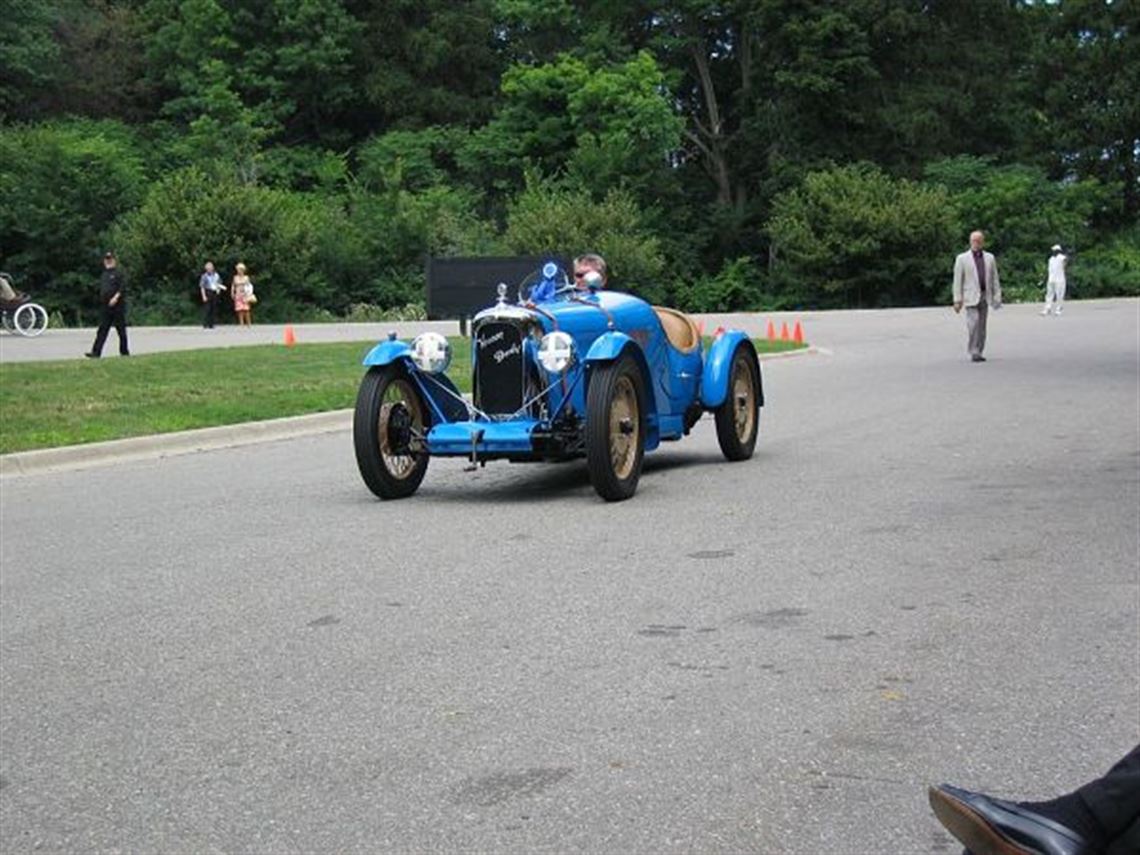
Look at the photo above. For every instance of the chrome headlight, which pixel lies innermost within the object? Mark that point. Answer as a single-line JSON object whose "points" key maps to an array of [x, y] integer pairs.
{"points": [[431, 352], [556, 352]]}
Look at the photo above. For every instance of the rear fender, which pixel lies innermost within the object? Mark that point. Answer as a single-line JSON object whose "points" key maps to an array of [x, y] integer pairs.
{"points": [[718, 368], [610, 346]]}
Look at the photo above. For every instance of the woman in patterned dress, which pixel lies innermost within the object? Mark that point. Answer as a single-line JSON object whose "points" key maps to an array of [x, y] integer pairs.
{"points": [[241, 292]]}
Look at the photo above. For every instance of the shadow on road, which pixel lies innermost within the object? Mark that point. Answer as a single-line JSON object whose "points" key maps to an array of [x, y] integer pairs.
{"points": [[533, 483]]}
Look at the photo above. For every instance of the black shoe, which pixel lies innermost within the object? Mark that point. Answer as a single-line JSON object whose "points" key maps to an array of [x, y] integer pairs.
{"points": [[988, 826], [91, 355], [977, 357]]}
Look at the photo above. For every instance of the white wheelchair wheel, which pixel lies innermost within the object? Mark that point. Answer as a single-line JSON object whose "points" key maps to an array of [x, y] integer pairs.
{"points": [[30, 319]]}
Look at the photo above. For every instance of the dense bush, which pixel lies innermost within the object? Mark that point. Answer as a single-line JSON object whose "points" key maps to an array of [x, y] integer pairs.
{"points": [[1108, 270], [190, 217], [551, 217], [1023, 214], [302, 250], [854, 236], [735, 288], [62, 185]]}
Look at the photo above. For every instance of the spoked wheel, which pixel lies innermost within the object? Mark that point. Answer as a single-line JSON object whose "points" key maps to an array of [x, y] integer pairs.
{"points": [[615, 429], [388, 431], [30, 319], [738, 418]]}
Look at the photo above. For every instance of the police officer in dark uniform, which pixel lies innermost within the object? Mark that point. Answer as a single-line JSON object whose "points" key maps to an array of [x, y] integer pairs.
{"points": [[113, 307]]}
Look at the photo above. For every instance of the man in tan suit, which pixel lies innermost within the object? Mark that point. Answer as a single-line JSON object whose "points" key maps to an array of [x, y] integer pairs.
{"points": [[977, 286]]}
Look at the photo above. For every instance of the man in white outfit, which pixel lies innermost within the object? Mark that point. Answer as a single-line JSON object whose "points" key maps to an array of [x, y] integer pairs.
{"points": [[1055, 284]]}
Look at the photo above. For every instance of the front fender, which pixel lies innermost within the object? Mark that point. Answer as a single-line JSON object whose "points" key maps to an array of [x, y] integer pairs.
{"points": [[608, 347], [442, 397], [387, 352], [718, 368]]}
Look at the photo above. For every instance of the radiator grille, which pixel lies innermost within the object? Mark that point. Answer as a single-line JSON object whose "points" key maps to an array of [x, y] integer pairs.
{"points": [[500, 370]]}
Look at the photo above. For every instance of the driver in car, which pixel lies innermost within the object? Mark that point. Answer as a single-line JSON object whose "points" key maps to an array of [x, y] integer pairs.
{"points": [[589, 272], [584, 266]]}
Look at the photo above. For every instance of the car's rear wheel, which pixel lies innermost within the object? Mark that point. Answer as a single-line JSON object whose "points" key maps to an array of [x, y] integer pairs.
{"points": [[615, 429], [388, 431], [738, 418]]}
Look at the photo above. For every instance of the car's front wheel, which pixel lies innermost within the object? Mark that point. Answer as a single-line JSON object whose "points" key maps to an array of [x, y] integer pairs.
{"points": [[388, 432], [738, 418], [615, 429]]}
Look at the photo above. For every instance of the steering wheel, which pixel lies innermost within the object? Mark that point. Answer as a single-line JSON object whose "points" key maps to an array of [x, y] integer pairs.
{"points": [[549, 273]]}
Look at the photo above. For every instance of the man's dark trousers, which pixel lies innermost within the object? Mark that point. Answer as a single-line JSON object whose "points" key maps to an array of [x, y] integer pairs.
{"points": [[112, 316], [1115, 802], [211, 315]]}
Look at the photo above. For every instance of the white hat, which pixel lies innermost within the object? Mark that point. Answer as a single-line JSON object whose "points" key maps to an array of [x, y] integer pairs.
{"points": [[1056, 247]]}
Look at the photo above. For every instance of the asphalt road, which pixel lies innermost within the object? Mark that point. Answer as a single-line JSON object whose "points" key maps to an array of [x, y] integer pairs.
{"points": [[928, 572]]}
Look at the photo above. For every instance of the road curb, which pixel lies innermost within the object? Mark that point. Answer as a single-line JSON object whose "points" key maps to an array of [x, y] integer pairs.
{"points": [[810, 350], [73, 457]]}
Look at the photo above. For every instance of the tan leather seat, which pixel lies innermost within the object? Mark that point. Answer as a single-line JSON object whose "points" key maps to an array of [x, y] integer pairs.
{"points": [[679, 329]]}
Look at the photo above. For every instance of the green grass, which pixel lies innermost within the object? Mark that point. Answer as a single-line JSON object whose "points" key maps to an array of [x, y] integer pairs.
{"points": [[49, 404], [763, 345]]}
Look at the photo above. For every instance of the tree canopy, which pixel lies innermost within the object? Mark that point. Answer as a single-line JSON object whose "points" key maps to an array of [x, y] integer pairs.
{"points": [[724, 153]]}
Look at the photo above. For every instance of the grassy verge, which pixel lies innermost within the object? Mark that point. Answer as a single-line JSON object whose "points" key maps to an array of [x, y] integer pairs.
{"points": [[49, 404]]}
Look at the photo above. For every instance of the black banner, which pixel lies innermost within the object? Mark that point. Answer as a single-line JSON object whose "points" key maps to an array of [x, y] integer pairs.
{"points": [[461, 287]]}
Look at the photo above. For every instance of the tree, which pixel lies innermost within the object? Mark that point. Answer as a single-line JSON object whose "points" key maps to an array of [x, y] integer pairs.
{"points": [[409, 160], [63, 185], [233, 96], [425, 62], [29, 55], [949, 78], [599, 127], [1088, 76], [298, 71], [101, 69]]}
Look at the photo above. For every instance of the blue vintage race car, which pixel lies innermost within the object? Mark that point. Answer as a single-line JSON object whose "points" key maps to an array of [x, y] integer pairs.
{"points": [[574, 373]]}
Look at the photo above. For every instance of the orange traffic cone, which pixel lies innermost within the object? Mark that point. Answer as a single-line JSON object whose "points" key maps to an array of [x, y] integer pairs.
{"points": [[784, 331], [290, 338], [771, 331], [798, 335]]}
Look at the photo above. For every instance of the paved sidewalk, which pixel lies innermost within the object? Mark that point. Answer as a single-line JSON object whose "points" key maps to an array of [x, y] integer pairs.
{"points": [[71, 343]]}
